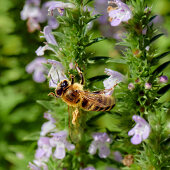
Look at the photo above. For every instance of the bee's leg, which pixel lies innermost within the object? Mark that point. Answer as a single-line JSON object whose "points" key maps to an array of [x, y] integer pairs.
{"points": [[80, 74], [72, 78], [52, 94], [75, 116]]}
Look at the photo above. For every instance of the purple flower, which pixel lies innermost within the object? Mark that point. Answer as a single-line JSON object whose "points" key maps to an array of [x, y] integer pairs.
{"points": [[38, 68], [140, 131], [119, 14], [32, 25], [30, 11], [117, 156], [163, 79], [88, 168], [60, 143], [34, 2], [33, 167], [48, 126], [52, 22], [99, 142], [148, 86], [53, 5], [115, 78], [40, 164], [49, 38], [49, 117], [131, 86], [56, 73], [44, 150]]}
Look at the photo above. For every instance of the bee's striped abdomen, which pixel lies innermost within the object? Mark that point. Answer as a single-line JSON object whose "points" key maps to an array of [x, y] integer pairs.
{"points": [[102, 103]]}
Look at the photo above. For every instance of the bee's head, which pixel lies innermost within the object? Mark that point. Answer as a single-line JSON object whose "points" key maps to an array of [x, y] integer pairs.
{"points": [[61, 87]]}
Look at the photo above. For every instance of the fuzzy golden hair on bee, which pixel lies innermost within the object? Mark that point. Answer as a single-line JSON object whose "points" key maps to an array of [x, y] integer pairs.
{"points": [[74, 95]]}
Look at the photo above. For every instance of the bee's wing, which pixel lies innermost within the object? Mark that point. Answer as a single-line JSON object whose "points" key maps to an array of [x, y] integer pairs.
{"points": [[99, 100]]}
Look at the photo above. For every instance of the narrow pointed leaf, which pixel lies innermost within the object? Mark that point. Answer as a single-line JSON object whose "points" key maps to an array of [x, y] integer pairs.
{"points": [[161, 68], [47, 104], [156, 59], [94, 17], [152, 18], [164, 89], [96, 40], [98, 78], [59, 34], [98, 59], [119, 61], [156, 37], [88, 1]]}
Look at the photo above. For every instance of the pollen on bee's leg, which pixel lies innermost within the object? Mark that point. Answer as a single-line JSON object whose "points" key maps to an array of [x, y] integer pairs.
{"points": [[75, 116], [52, 94]]}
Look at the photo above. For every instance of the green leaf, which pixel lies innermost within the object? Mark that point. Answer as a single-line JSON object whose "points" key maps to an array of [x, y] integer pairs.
{"points": [[119, 61], [95, 41], [50, 105], [164, 89], [32, 137], [94, 17], [98, 59], [161, 68], [156, 59], [88, 1], [59, 35], [152, 18], [98, 78], [156, 37]]}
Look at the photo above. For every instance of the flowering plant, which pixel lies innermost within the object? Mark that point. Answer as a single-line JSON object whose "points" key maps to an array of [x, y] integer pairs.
{"points": [[86, 142]]}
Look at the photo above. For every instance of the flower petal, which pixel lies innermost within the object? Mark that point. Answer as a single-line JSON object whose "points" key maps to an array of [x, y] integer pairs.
{"points": [[115, 22], [136, 139], [93, 148], [146, 132], [131, 132], [46, 128], [60, 151], [48, 36], [104, 151]]}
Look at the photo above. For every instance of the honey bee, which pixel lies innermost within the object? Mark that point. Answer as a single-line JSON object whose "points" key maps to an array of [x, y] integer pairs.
{"points": [[74, 95]]}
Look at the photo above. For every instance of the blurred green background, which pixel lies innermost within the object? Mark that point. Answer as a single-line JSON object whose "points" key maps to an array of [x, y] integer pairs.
{"points": [[20, 115]]}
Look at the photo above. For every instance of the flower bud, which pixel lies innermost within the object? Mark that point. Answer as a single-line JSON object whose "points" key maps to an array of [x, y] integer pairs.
{"points": [[131, 86], [148, 86], [163, 79]]}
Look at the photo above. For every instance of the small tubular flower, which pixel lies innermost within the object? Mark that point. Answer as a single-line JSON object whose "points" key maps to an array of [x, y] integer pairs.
{"points": [[119, 14], [33, 167], [56, 73], [99, 142], [44, 150], [38, 69], [140, 131], [115, 78], [48, 126], [60, 143], [49, 38], [53, 5]]}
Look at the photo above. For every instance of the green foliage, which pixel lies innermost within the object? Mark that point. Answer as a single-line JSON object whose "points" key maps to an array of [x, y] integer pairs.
{"points": [[21, 116]]}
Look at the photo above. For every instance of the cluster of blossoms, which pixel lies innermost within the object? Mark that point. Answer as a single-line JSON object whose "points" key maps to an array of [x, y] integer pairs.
{"points": [[118, 14], [36, 14], [99, 142], [57, 140], [53, 143], [147, 86]]}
